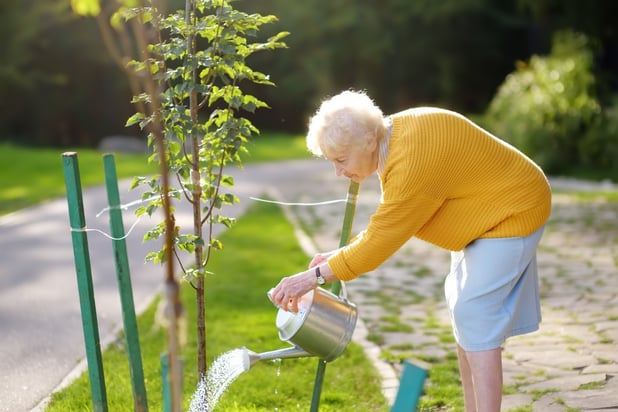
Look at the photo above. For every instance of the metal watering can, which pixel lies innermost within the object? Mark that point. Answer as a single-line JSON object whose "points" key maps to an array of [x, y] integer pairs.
{"points": [[322, 327]]}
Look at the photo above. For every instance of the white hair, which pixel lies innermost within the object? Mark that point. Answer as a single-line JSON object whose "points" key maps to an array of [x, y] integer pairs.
{"points": [[347, 119]]}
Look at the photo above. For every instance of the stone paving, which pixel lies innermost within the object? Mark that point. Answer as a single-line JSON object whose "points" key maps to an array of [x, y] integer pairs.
{"points": [[570, 364]]}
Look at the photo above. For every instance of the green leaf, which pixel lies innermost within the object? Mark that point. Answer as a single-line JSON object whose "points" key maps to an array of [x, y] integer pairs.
{"points": [[186, 246], [216, 244], [227, 221], [137, 180], [156, 257], [229, 198], [227, 180], [135, 119], [151, 209], [86, 7], [190, 274]]}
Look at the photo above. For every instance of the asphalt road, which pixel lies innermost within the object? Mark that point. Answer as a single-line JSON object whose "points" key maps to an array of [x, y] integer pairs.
{"points": [[41, 338]]}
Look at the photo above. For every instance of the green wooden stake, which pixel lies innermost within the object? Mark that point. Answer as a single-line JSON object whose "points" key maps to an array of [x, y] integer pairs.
{"points": [[410, 386], [123, 276], [84, 281], [165, 379], [346, 230], [348, 220]]}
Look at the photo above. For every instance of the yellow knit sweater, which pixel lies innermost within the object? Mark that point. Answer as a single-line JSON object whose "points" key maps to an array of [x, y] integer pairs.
{"points": [[448, 182]]}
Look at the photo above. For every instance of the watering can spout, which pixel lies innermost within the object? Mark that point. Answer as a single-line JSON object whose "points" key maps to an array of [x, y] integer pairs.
{"points": [[322, 327], [251, 358]]}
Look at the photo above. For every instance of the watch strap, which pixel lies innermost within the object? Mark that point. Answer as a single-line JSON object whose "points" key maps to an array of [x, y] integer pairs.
{"points": [[319, 277]]}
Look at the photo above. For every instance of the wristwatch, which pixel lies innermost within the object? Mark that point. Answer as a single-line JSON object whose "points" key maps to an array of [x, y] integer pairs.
{"points": [[319, 276]]}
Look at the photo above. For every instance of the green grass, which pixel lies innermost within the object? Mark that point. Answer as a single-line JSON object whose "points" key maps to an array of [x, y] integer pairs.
{"points": [[274, 147], [444, 388], [239, 314], [30, 176]]}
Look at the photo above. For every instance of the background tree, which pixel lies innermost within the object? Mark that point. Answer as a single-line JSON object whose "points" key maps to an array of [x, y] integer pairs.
{"points": [[404, 53], [595, 19], [449, 53], [56, 87]]}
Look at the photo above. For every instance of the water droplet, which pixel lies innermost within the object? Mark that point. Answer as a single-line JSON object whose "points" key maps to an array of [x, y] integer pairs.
{"points": [[223, 371]]}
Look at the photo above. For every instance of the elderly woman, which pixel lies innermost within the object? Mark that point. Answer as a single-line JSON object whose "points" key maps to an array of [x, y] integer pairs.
{"points": [[447, 181]]}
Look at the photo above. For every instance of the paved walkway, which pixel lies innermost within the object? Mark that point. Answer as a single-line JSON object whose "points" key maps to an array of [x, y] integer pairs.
{"points": [[568, 365]]}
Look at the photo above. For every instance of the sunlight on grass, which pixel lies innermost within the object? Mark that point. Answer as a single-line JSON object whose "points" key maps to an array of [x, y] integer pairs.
{"points": [[444, 388], [270, 147], [30, 176], [239, 314]]}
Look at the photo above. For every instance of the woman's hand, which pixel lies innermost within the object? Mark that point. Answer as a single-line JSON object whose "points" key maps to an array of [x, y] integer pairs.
{"points": [[289, 290], [321, 258]]}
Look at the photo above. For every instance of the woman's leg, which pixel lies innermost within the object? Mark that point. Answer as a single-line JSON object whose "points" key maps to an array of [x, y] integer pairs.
{"points": [[466, 380], [492, 293], [481, 376]]}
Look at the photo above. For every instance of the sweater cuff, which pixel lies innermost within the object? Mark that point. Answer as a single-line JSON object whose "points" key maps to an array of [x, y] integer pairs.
{"points": [[339, 268]]}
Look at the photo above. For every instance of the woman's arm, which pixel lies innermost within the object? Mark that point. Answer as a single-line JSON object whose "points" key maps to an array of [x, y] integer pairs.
{"points": [[289, 290]]}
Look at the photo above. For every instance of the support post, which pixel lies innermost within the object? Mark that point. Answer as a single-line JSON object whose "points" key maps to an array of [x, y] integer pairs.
{"points": [[165, 379], [346, 230], [84, 281], [410, 386], [123, 276]]}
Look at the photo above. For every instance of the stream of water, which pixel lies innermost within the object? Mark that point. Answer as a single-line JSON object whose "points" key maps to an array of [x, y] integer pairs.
{"points": [[224, 370]]}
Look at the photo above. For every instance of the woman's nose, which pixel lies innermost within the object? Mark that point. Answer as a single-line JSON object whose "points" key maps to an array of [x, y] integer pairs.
{"points": [[338, 171]]}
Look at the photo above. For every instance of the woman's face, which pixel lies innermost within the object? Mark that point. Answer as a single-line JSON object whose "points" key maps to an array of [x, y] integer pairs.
{"points": [[355, 163]]}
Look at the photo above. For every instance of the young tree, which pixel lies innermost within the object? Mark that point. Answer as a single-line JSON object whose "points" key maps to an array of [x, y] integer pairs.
{"points": [[187, 76]]}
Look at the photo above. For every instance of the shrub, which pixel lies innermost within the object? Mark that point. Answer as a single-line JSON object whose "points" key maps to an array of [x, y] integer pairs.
{"points": [[547, 106], [599, 147]]}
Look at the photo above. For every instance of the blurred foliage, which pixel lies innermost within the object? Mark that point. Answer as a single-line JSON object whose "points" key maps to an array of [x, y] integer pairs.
{"points": [[598, 148], [59, 86], [449, 53], [549, 108]]}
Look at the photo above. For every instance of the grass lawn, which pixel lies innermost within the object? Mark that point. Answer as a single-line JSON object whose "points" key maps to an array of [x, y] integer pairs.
{"points": [[30, 176], [239, 314]]}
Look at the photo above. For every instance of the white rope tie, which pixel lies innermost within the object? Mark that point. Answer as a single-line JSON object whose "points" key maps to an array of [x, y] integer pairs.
{"points": [[85, 229], [126, 206], [326, 202]]}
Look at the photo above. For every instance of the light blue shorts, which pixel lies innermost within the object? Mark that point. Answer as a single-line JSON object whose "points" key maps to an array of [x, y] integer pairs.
{"points": [[492, 291]]}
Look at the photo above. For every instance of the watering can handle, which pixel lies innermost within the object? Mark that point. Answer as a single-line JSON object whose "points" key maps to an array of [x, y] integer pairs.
{"points": [[343, 293]]}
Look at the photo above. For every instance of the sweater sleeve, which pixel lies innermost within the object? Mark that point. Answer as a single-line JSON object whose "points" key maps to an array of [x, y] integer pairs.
{"points": [[393, 224], [406, 206]]}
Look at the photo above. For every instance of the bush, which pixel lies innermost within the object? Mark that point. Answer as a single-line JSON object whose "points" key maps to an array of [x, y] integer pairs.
{"points": [[599, 147], [548, 107]]}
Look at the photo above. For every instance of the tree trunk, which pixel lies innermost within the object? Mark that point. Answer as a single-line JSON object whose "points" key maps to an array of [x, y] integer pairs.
{"points": [[200, 304]]}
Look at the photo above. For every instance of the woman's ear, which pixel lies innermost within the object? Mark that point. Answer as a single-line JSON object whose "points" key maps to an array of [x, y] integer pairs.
{"points": [[371, 142]]}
